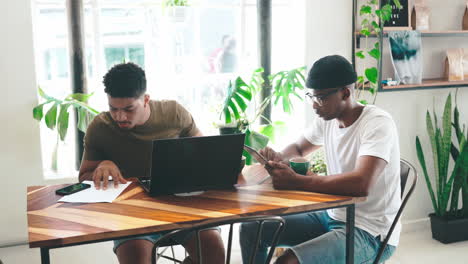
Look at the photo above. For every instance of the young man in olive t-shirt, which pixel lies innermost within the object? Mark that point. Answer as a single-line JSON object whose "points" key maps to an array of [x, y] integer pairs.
{"points": [[118, 144]]}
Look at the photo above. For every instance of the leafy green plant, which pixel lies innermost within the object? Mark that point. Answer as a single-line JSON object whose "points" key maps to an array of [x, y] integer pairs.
{"points": [[372, 22], [448, 184], [317, 162], [242, 94], [176, 3], [57, 116]]}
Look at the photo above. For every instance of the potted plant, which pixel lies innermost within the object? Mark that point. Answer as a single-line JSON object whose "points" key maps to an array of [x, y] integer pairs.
{"points": [[241, 108], [449, 222], [176, 10], [57, 115], [373, 19]]}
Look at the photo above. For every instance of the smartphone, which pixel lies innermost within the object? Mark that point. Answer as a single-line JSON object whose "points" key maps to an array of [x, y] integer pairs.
{"points": [[73, 188], [259, 157]]}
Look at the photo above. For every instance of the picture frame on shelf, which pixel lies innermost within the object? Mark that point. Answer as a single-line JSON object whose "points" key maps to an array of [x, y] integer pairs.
{"points": [[400, 18]]}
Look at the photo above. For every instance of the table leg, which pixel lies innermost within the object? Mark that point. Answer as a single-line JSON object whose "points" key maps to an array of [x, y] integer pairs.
{"points": [[45, 258], [350, 234]]}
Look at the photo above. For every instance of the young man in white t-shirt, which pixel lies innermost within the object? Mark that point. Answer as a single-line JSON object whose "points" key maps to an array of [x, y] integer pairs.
{"points": [[363, 159]]}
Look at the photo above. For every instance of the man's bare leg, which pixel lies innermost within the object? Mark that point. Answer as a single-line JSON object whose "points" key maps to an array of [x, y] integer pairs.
{"points": [[139, 251], [136, 251], [287, 258], [212, 247]]}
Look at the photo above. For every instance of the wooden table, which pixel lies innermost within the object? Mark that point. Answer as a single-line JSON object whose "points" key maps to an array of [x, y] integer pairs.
{"points": [[54, 225]]}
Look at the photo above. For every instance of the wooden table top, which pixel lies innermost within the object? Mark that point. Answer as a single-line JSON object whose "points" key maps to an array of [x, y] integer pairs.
{"points": [[52, 224]]}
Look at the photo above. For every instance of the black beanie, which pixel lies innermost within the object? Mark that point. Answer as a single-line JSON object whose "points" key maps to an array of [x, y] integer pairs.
{"points": [[330, 72]]}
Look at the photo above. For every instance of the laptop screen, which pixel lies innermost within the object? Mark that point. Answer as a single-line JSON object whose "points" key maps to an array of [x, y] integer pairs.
{"points": [[195, 164]]}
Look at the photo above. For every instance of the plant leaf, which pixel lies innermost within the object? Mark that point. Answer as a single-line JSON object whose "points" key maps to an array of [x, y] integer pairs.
{"points": [[256, 141], [38, 112], [426, 175], [44, 95], [365, 9], [371, 74], [274, 131], [432, 140], [375, 53], [445, 145], [398, 4], [82, 97], [285, 85], [62, 121], [360, 79], [365, 32], [386, 12], [360, 54], [51, 116], [238, 94]]}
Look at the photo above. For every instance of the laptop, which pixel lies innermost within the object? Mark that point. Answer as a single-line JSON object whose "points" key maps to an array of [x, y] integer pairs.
{"points": [[184, 165]]}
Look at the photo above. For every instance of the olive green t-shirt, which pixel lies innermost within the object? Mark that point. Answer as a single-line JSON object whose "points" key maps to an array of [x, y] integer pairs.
{"points": [[130, 149]]}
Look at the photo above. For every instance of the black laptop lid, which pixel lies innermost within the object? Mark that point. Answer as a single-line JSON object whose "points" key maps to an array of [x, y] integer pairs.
{"points": [[195, 164]]}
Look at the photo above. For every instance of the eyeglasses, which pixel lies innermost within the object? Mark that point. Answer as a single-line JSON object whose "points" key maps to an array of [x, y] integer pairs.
{"points": [[319, 98]]}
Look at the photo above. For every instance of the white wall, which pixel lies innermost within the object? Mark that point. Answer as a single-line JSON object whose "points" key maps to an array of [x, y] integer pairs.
{"points": [[20, 161], [328, 31]]}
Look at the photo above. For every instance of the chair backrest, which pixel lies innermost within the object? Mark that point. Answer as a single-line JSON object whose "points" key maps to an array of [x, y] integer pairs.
{"points": [[407, 170], [166, 239]]}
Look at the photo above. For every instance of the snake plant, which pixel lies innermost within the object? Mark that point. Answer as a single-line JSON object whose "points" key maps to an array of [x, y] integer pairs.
{"points": [[448, 182]]}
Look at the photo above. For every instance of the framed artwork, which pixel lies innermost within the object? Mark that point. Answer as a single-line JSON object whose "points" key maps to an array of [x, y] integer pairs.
{"points": [[400, 18]]}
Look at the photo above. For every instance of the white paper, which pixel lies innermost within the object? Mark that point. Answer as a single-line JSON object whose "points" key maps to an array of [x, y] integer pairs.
{"points": [[91, 195]]}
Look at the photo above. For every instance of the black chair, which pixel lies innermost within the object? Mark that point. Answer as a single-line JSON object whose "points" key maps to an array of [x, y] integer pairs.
{"points": [[406, 170], [167, 239], [169, 245]]}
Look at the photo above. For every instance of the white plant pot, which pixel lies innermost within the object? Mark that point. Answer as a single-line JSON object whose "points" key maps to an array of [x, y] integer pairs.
{"points": [[178, 14]]}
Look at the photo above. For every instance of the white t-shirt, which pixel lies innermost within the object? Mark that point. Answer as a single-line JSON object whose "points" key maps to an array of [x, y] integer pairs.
{"points": [[373, 134]]}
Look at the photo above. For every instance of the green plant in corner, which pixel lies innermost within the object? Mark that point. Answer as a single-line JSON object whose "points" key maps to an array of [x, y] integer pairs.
{"points": [[241, 95], [372, 21], [448, 184]]}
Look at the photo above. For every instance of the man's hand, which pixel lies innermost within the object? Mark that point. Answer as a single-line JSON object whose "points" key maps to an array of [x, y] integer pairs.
{"points": [[270, 154], [102, 172], [283, 176]]}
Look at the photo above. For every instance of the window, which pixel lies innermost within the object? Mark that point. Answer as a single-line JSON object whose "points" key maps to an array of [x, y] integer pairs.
{"points": [[179, 50]]}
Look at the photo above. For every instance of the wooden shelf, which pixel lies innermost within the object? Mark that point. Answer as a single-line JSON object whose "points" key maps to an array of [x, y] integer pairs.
{"points": [[427, 84], [446, 33]]}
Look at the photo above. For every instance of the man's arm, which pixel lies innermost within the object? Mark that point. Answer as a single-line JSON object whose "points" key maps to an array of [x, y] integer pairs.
{"points": [[87, 168], [357, 182], [99, 171], [301, 148]]}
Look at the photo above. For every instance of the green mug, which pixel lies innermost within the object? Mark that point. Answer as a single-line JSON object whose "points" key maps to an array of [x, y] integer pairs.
{"points": [[299, 165]]}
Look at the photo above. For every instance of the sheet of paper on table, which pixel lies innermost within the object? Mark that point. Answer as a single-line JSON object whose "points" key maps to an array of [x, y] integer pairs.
{"points": [[91, 195]]}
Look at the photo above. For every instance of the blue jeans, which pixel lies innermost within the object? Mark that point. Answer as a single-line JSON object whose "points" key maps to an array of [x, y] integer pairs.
{"points": [[314, 238]]}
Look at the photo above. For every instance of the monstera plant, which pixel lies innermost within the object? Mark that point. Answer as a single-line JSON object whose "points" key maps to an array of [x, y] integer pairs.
{"points": [[241, 108]]}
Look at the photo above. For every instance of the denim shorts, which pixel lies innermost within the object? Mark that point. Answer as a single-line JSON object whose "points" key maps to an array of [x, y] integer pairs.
{"points": [[314, 238], [178, 239]]}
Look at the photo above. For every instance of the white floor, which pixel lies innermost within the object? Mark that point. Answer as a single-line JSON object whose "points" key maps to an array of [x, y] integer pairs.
{"points": [[415, 247]]}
